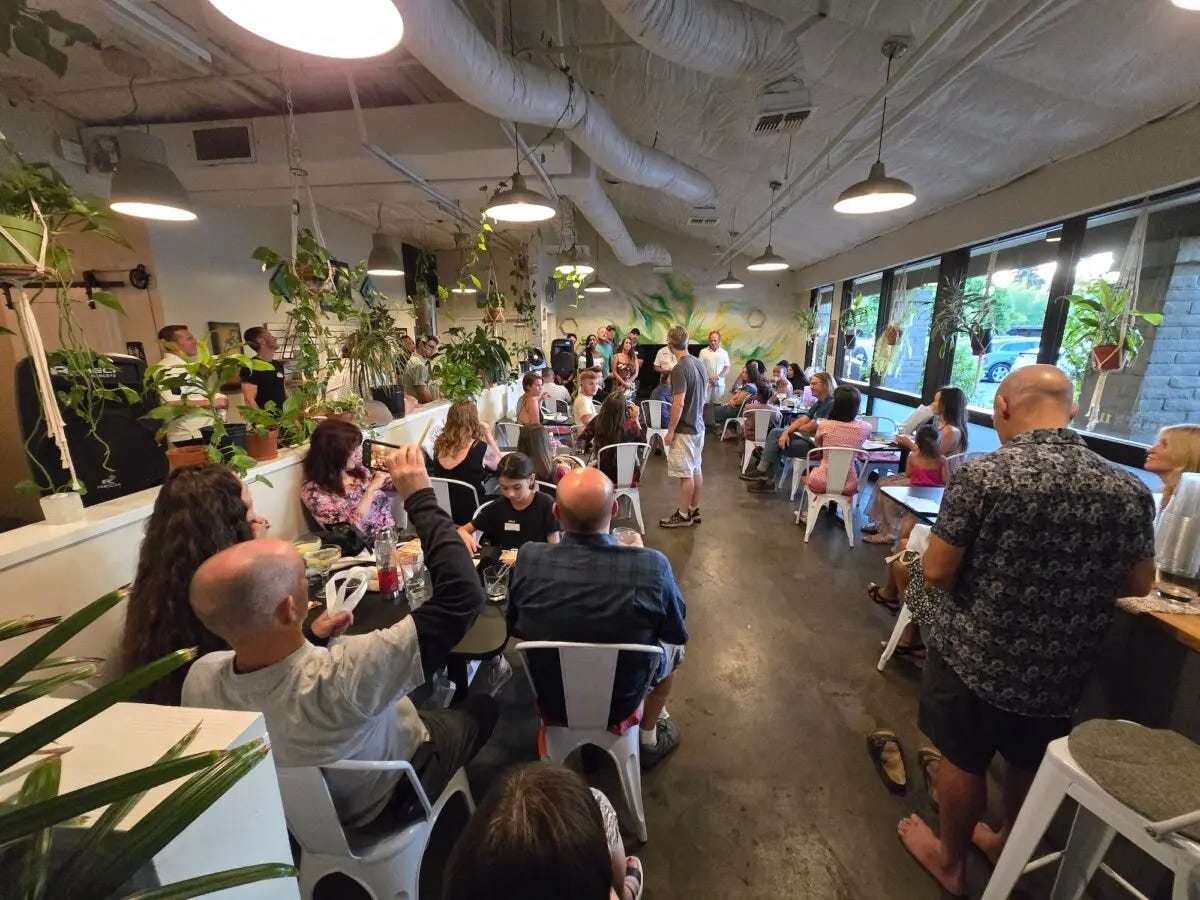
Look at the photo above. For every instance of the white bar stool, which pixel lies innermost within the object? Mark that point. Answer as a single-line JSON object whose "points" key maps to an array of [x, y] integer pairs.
{"points": [[1100, 817]]}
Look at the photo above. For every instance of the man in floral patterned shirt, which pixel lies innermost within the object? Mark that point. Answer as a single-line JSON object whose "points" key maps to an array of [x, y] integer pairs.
{"points": [[1033, 545]]}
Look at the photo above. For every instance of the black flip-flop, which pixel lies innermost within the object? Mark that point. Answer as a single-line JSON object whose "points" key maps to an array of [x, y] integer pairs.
{"points": [[884, 743], [891, 604]]}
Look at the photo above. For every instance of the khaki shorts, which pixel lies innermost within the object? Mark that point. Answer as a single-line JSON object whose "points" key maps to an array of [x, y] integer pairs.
{"points": [[685, 455]]}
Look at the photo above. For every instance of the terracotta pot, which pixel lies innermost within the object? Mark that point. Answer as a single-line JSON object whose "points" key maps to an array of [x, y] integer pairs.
{"points": [[494, 314], [182, 457], [342, 417], [263, 447], [1107, 357]]}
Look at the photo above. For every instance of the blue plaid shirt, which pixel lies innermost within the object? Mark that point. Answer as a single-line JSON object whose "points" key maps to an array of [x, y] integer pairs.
{"points": [[588, 588]]}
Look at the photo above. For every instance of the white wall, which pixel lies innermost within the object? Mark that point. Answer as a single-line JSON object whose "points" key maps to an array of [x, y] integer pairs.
{"points": [[1153, 158]]}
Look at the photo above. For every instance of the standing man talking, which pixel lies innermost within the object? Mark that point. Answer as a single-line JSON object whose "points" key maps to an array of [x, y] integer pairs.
{"points": [[263, 386], [685, 433], [716, 364]]}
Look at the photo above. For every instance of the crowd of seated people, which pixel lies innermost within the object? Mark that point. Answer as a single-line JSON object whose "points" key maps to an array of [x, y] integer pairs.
{"points": [[796, 439], [744, 390], [841, 428], [617, 422]]}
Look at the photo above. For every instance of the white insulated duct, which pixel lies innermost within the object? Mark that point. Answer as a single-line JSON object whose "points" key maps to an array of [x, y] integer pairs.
{"points": [[583, 187], [721, 37], [449, 45]]}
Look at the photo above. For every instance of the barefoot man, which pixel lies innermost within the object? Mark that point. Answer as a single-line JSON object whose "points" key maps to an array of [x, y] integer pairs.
{"points": [[1034, 543]]}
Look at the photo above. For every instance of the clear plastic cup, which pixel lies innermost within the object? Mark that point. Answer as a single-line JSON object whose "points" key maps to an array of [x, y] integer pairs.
{"points": [[627, 537], [495, 582]]}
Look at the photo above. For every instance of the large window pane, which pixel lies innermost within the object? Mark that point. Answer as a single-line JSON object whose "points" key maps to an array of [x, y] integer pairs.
{"points": [[821, 332], [900, 357], [1019, 290], [858, 328], [1161, 385]]}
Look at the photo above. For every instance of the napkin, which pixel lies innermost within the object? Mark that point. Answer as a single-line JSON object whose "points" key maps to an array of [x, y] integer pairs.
{"points": [[346, 588]]}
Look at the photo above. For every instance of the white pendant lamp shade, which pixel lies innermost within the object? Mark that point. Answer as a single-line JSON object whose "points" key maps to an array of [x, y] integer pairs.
{"points": [[519, 204], [463, 289], [879, 193], [384, 261], [768, 262], [347, 29], [571, 262], [1187, 4], [597, 287], [143, 185], [729, 283]]}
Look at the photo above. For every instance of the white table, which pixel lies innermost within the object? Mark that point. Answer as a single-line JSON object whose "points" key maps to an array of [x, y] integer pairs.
{"points": [[922, 502]]}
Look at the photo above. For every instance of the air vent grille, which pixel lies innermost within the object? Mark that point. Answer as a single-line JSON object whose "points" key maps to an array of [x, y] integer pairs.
{"points": [[704, 216], [780, 122]]}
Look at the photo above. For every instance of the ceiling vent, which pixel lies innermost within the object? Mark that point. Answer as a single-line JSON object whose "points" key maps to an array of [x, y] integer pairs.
{"points": [[223, 143], [704, 216], [782, 109]]}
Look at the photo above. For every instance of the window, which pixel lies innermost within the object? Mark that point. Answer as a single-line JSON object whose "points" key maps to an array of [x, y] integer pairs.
{"points": [[900, 354], [858, 327], [1011, 278], [1161, 384], [819, 339]]}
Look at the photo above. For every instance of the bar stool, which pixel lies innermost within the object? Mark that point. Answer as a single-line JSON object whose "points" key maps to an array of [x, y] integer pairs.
{"points": [[1100, 817]]}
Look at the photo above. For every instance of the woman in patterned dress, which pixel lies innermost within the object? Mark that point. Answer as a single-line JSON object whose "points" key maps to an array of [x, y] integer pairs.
{"points": [[337, 487]]}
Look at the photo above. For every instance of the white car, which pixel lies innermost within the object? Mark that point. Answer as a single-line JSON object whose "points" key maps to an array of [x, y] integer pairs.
{"points": [[1025, 358]]}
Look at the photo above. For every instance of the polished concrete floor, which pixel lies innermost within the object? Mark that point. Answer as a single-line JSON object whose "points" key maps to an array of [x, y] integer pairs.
{"points": [[771, 793]]}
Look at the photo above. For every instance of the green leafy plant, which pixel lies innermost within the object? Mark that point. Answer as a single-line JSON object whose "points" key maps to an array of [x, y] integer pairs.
{"points": [[29, 32], [262, 420], [468, 359], [350, 405], [967, 308], [102, 860], [521, 287], [1102, 320], [806, 318], [457, 380], [375, 351], [204, 376]]}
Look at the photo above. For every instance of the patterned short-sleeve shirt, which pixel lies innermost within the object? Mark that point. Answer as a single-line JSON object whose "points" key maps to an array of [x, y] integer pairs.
{"points": [[1050, 531]]}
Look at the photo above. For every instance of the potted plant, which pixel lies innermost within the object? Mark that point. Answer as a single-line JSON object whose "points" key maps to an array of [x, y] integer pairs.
{"points": [[346, 409], [968, 311], [203, 377], [43, 854], [491, 302], [521, 288], [376, 354], [806, 318], [1103, 318], [262, 430], [457, 379], [480, 353]]}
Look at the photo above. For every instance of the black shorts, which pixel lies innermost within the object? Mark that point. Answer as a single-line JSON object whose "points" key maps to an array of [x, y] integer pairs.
{"points": [[970, 731]]}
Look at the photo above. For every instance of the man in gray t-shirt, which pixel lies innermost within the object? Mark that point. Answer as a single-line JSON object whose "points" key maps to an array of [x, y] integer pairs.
{"points": [[416, 372], [685, 433]]}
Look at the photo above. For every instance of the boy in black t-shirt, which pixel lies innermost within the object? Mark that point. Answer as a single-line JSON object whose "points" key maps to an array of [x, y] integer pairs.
{"points": [[521, 514]]}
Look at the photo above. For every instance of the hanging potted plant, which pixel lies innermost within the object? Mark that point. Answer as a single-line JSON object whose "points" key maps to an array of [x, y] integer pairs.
{"points": [[376, 355], [806, 318], [855, 317], [1103, 318], [966, 311], [492, 303], [521, 288]]}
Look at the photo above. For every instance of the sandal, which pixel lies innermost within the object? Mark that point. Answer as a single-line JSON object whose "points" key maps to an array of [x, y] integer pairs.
{"points": [[929, 759], [884, 748], [875, 592], [634, 877], [878, 539]]}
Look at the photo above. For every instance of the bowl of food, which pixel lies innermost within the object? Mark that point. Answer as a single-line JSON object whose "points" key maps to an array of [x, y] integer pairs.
{"points": [[323, 558], [309, 543]]}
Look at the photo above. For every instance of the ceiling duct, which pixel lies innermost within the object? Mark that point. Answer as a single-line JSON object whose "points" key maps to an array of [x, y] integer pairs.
{"points": [[583, 187], [721, 37], [447, 43]]}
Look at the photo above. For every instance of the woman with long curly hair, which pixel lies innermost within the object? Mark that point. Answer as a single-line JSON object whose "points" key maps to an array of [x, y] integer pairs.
{"points": [[465, 451], [337, 487], [200, 511]]}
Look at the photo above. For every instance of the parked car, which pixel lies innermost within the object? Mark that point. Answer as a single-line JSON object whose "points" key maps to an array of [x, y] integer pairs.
{"points": [[1003, 353], [1025, 358]]}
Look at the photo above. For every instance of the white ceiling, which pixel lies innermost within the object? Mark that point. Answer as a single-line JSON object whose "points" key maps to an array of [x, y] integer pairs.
{"points": [[1083, 74]]}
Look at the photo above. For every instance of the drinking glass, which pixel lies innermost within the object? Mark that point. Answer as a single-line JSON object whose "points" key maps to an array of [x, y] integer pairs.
{"points": [[416, 586], [322, 560], [626, 537], [495, 581], [1177, 556]]}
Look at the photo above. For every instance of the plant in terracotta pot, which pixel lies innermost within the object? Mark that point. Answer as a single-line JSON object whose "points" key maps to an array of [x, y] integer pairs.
{"points": [[262, 430], [1103, 319], [348, 409]]}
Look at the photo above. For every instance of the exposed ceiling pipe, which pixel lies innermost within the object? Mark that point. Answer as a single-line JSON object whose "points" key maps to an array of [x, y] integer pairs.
{"points": [[721, 37], [912, 60], [583, 187], [1003, 32], [450, 46]]}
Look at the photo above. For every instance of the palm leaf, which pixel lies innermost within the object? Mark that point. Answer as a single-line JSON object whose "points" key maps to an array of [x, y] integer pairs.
{"points": [[40, 787], [26, 691], [20, 665], [218, 881], [11, 628]]}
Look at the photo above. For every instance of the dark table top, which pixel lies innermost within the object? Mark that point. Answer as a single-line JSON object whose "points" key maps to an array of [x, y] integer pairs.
{"points": [[922, 502]]}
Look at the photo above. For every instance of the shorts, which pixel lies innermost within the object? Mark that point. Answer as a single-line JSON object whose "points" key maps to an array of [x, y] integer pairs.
{"points": [[672, 656], [685, 455], [970, 731]]}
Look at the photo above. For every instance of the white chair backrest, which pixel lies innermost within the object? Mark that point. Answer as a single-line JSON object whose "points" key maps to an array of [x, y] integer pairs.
{"points": [[881, 425], [546, 488], [955, 460], [652, 412], [556, 408], [839, 459], [631, 457], [443, 488], [481, 508], [762, 424], [507, 434], [311, 816], [588, 671]]}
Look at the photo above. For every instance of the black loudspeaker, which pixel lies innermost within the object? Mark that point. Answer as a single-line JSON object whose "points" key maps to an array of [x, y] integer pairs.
{"points": [[562, 357], [135, 460]]}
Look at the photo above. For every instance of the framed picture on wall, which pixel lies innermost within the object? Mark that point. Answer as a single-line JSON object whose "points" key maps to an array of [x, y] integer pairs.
{"points": [[224, 336]]}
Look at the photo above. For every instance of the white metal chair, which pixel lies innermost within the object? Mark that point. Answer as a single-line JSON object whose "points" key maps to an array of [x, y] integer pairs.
{"points": [[386, 866], [631, 459], [762, 426], [736, 421], [878, 426], [954, 460], [507, 434], [796, 467], [918, 540], [547, 488], [445, 488], [588, 671], [1099, 818], [556, 412], [882, 427], [840, 461], [656, 423]]}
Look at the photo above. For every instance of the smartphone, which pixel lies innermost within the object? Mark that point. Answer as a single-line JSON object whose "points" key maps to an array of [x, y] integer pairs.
{"points": [[374, 459]]}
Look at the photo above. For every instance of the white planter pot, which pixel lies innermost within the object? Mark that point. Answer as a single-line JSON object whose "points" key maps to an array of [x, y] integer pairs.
{"points": [[63, 508]]}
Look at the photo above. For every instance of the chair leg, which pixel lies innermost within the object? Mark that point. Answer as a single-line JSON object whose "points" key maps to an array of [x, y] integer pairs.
{"points": [[629, 767], [635, 502], [1048, 790], [847, 518], [747, 452], [1089, 841], [902, 620], [814, 510]]}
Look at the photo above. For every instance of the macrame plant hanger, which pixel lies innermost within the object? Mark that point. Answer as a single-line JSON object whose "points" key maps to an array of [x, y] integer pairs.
{"points": [[885, 353], [1131, 276]]}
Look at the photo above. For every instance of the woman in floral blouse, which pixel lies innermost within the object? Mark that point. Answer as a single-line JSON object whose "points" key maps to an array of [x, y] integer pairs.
{"points": [[337, 487]]}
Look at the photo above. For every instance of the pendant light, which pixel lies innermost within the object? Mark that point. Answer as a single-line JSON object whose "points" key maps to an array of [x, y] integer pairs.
{"points": [[383, 261], [597, 285], [349, 29], [729, 283], [572, 262], [143, 185], [770, 261], [879, 193], [1193, 5], [519, 204]]}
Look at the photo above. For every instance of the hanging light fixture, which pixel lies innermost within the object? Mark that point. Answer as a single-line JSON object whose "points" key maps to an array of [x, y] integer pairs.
{"points": [[519, 203], [879, 193], [597, 285], [1054, 237], [383, 261], [1193, 5], [770, 261], [143, 185], [729, 283], [349, 29], [573, 262]]}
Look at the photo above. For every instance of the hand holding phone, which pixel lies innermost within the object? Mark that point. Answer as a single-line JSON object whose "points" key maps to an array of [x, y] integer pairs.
{"points": [[375, 454]]}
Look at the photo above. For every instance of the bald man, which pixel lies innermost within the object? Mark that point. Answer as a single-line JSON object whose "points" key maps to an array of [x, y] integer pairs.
{"points": [[348, 700], [1034, 544], [591, 589]]}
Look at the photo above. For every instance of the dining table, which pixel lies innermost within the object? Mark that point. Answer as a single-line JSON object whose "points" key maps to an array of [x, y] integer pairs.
{"points": [[879, 443], [922, 502]]}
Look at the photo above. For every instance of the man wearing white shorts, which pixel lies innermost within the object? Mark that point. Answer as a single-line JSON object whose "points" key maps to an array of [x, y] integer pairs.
{"points": [[685, 433]]}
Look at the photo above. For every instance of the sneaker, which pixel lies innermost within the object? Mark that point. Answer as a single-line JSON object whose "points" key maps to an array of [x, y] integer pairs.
{"points": [[753, 475], [497, 673], [676, 520], [666, 739], [765, 486], [694, 515]]}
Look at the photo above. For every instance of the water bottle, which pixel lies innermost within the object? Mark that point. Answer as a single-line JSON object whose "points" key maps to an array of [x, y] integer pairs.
{"points": [[385, 562]]}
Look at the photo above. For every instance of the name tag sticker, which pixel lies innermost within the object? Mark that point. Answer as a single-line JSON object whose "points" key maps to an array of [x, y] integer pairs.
{"points": [[512, 526]]}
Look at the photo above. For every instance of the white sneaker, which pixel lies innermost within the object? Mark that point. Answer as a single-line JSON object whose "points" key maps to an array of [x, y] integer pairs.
{"points": [[498, 671]]}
